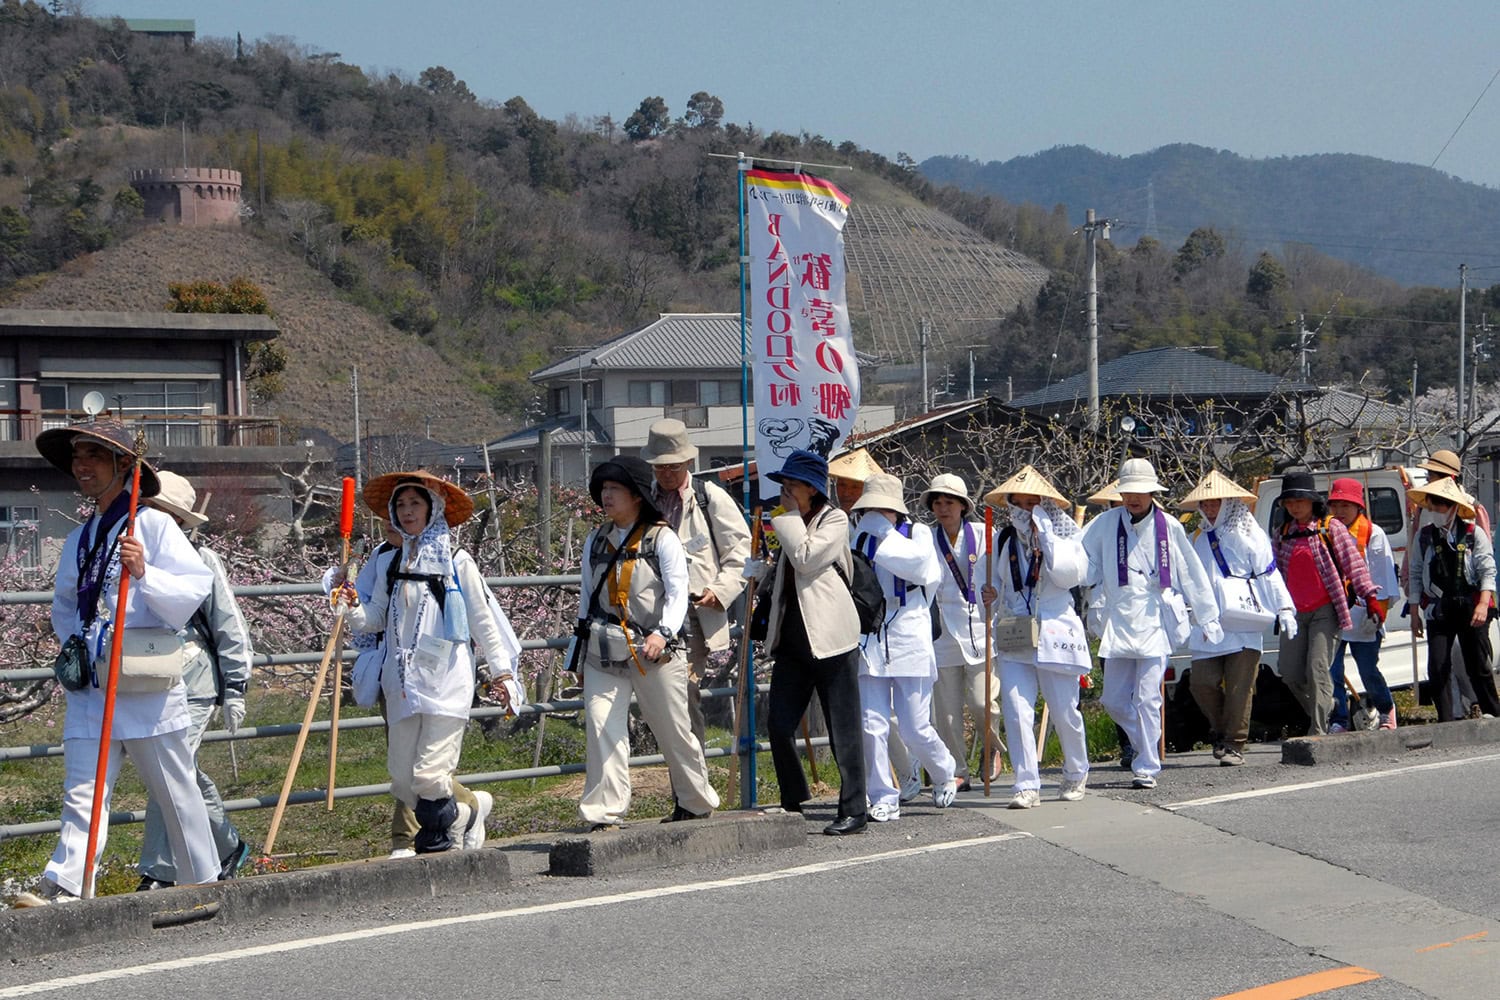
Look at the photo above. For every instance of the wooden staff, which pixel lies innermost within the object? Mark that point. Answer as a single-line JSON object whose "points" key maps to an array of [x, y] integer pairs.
{"points": [[989, 652], [346, 527], [745, 665], [116, 639], [812, 758]]}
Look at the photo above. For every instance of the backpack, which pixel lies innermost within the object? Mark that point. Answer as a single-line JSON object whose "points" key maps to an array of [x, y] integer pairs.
{"points": [[864, 586]]}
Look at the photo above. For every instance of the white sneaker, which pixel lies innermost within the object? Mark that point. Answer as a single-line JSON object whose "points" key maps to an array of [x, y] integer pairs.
{"points": [[1026, 798], [883, 813], [944, 794], [911, 785], [474, 833], [1072, 790], [47, 894], [1143, 781], [403, 852], [456, 831]]}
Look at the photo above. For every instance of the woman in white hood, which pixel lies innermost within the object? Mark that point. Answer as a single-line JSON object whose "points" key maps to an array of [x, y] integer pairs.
{"points": [[1038, 559]]}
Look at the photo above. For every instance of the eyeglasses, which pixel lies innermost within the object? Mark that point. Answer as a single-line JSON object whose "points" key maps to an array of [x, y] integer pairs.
{"points": [[672, 466]]}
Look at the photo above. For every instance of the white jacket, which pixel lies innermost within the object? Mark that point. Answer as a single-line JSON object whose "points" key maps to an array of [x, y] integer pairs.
{"points": [[903, 647], [962, 641], [1246, 558], [1062, 645], [1382, 563], [1133, 624]]}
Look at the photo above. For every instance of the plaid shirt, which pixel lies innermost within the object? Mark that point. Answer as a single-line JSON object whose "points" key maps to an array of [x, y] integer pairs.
{"points": [[1346, 549]]}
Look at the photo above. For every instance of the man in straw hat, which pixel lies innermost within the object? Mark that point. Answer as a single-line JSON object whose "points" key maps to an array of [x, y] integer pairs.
{"points": [[1237, 555], [1323, 569], [1453, 585], [219, 656], [1147, 571], [168, 581], [432, 605], [1346, 501], [631, 608], [897, 665], [959, 604], [1039, 559], [715, 539]]}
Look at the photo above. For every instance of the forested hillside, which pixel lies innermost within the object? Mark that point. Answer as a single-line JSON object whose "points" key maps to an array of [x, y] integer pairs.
{"points": [[494, 236]]}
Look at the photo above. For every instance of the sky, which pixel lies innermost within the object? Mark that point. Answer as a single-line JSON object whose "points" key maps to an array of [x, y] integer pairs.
{"points": [[988, 79]]}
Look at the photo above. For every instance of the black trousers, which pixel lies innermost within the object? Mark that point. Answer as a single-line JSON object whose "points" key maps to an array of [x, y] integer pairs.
{"points": [[1475, 645], [795, 677]]}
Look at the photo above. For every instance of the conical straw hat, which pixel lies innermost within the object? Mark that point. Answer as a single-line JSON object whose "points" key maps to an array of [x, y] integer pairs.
{"points": [[1215, 486], [856, 465], [1108, 495], [1444, 489], [1028, 480]]}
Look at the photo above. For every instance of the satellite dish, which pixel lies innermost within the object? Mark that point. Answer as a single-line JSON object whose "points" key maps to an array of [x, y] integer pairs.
{"points": [[93, 404]]}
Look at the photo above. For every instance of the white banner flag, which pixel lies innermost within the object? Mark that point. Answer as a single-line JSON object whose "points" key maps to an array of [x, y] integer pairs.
{"points": [[806, 378]]}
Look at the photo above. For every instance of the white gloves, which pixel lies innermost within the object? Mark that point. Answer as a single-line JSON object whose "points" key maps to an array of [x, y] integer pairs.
{"points": [[1213, 632], [755, 569], [1288, 622], [515, 698], [234, 711]]}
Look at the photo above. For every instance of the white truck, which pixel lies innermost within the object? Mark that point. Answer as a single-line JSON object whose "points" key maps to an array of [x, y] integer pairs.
{"points": [[1402, 661]]}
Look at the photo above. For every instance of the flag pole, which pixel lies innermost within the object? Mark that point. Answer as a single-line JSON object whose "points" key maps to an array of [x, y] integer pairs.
{"points": [[745, 740]]}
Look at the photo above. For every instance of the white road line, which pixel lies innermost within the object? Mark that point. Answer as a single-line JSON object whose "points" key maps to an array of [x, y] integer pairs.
{"points": [[1259, 793], [172, 965]]}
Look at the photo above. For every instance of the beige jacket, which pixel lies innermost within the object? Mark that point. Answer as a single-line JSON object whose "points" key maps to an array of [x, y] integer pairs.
{"points": [[827, 607], [718, 569]]}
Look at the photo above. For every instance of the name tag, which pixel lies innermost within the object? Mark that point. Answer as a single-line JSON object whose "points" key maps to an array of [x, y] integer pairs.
{"points": [[432, 653], [695, 544]]}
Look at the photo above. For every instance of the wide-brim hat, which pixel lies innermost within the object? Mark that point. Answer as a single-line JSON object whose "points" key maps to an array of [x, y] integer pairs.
{"points": [[1299, 486], [856, 465], [946, 484], [882, 492], [457, 507], [1028, 480], [1215, 486], [1444, 489], [806, 467], [1138, 475], [1445, 462], [56, 446], [1349, 490], [667, 444], [632, 473], [1108, 495], [178, 498]]}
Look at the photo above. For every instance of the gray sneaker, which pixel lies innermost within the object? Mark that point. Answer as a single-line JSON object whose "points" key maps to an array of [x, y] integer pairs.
{"points": [[48, 893], [1143, 781], [1231, 758]]}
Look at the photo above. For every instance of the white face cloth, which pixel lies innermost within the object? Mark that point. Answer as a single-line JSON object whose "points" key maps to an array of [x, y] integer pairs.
{"points": [[1234, 519]]}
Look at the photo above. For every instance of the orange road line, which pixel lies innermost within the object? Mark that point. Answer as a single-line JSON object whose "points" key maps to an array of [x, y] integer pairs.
{"points": [[1449, 944], [1306, 986]]}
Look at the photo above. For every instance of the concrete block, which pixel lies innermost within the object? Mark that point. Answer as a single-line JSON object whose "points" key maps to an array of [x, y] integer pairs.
{"points": [[1346, 748], [658, 845]]}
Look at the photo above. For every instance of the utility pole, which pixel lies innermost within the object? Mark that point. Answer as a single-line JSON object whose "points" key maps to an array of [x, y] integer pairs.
{"points": [[1092, 225], [583, 398], [359, 485], [544, 494], [1304, 352], [922, 342], [1479, 351], [1463, 298]]}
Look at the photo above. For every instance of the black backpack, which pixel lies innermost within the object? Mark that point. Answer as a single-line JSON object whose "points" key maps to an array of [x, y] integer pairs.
{"points": [[865, 588]]}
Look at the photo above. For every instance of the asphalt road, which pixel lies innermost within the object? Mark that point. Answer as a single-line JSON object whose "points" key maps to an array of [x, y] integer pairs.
{"points": [[1221, 880]]}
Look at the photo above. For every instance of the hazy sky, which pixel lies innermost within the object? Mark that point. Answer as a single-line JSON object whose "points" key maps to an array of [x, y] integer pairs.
{"points": [[989, 80]]}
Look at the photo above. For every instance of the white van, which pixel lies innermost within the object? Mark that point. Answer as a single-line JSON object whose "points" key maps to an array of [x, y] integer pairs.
{"points": [[1402, 662]]}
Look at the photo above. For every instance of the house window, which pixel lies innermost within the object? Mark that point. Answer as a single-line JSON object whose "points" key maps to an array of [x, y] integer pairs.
{"points": [[719, 392], [18, 535], [561, 404], [644, 393]]}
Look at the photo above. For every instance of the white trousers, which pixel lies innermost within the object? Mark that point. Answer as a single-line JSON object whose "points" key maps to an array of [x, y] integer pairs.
{"points": [[421, 755], [661, 694], [1019, 683], [156, 853], [912, 698], [959, 685], [165, 764], [1132, 697]]}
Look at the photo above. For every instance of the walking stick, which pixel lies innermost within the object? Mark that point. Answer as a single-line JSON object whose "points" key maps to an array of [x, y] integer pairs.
{"points": [[812, 759], [346, 527], [745, 665], [116, 639], [989, 650]]}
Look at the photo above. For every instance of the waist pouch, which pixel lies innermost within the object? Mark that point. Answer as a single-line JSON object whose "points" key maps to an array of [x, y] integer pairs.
{"points": [[151, 659]]}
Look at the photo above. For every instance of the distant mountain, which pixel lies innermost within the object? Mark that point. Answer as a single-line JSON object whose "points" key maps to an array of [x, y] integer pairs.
{"points": [[1407, 222]]}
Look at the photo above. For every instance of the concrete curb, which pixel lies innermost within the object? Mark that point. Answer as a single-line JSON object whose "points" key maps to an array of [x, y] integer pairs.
{"points": [[657, 845], [46, 929], [1346, 748]]}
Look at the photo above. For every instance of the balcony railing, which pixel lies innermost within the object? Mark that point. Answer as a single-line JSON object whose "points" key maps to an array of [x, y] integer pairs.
{"points": [[163, 430]]}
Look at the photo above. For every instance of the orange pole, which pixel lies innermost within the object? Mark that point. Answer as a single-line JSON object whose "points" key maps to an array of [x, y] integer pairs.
{"points": [[346, 528], [117, 637]]}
